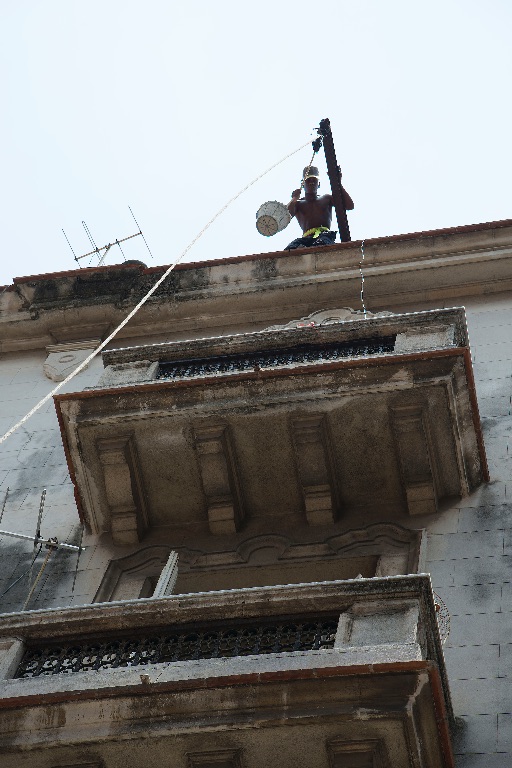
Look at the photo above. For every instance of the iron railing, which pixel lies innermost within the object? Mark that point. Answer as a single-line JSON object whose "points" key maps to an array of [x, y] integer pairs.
{"points": [[203, 643], [275, 358]]}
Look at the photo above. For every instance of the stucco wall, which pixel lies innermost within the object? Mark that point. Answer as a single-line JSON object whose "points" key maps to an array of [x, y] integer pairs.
{"points": [[469, 549]]}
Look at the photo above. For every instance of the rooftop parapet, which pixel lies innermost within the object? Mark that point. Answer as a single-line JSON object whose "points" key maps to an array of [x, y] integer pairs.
{"points": [[222, 295]]}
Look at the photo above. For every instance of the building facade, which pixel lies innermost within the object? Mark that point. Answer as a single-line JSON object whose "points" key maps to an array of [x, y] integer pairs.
{"points": [[274, 521]]}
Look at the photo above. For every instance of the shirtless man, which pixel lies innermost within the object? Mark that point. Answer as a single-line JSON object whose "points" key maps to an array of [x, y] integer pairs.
{"points": [[314, 213]]}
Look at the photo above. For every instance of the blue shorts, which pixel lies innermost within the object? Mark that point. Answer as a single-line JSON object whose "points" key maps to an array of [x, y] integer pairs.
{"points": [[324, 238]]}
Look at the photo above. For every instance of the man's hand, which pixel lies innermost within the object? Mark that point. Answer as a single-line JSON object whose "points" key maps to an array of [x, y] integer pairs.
{"points": [[293, 202]]}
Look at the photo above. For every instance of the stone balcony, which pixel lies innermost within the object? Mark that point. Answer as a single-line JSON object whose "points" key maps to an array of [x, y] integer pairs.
{"points": [[323, 417], [348, 667]]}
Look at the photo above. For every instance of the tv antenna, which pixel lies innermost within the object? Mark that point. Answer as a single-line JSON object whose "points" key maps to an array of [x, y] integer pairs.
{"points": [[52, 545], [102, 251]]}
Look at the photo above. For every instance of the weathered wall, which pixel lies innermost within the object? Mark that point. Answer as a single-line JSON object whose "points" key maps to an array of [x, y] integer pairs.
{"points": [[469, 549], [470, 558]]}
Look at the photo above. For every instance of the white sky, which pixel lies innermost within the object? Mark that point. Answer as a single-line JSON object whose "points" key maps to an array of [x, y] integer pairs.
{"points": [[173, 107]]}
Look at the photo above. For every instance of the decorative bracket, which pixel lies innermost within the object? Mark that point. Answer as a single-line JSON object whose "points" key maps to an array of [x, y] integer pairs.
{"points": [[417, 461], [367, 753], [123, 487], [316, 468], [219, 474], [64, 358]]}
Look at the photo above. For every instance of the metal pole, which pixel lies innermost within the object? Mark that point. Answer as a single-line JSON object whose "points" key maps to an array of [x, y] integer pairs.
{"points": [[107, 246], [39, 540], [40, 516], [334, 177]]}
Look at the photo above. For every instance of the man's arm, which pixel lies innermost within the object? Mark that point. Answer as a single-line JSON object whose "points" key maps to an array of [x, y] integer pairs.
{"points": [[293, 202], [348, 203], [347, 200]]}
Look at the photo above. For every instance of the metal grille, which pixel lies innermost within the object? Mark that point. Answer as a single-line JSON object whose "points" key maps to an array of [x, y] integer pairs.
{"points": [[313, 353], [246, 640]]}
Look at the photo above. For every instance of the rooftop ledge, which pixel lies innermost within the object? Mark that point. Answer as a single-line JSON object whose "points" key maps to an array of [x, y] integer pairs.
{"points": [[211, 297], [168, 438], [382, 656]]}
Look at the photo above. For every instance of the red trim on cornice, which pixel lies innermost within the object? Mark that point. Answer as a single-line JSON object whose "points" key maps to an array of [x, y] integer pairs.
{"points": [[476, 413], [71, 469], [442, 721], [224, 681]]}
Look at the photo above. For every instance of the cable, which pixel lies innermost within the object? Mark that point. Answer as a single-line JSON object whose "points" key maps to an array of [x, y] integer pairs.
{"points": [[34, 585], [362, 278], [78, 557], [24, 573], [141, 303], [3, 505]]}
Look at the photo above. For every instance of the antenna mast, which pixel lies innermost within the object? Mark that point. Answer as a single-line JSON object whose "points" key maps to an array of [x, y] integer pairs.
{"points": [[102, 251]]}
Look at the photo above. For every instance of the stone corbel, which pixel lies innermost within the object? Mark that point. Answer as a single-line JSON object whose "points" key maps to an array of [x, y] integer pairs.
{"points": [[64, 358], [316, 469], [224, 758], [367, 753], [123, 488], [219, 474], [416, 458]]}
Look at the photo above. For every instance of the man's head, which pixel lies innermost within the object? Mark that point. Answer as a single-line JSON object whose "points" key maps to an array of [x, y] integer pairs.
{"points": [[311, 179]]}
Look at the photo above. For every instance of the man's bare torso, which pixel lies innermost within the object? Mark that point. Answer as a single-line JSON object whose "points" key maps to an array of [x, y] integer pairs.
{"points": [[314, 213], [311, 210]]}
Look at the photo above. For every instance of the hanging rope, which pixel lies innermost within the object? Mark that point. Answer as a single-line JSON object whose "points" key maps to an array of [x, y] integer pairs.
{"points": [[141, 303], [306, 174]]}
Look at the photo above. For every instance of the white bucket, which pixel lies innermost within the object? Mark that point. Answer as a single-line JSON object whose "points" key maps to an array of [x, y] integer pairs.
{"points": [[272, 217]]}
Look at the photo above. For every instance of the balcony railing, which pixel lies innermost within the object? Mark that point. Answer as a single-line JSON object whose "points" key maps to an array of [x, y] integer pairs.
{"points": [[310, 353], [331, 617], [363, 654], [204, 642]]}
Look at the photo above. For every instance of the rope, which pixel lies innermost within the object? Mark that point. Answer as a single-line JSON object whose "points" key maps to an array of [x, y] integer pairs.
{"points": [[308, 169], [141, 303]]}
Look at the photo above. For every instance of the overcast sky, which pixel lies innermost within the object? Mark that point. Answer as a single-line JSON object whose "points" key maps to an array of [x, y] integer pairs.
{"points": [[172, 108]]}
